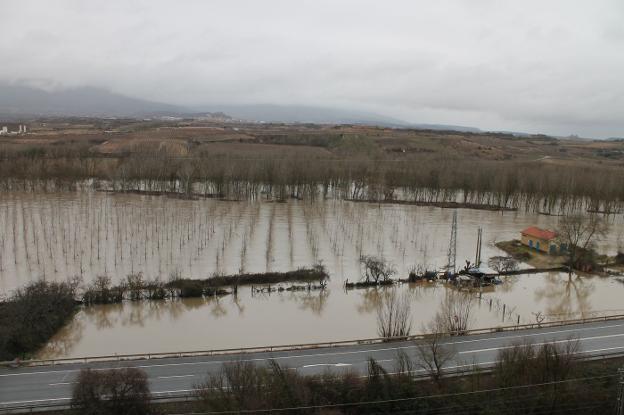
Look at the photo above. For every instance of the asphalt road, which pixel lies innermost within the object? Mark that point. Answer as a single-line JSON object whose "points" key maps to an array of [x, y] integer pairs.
{"points": [[174, 376]]}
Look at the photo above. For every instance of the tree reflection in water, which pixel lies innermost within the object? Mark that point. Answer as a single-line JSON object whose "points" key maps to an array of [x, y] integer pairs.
{"points": [[372, 297], [566, 296], [238, 304], [315, 301], [63, 342]]}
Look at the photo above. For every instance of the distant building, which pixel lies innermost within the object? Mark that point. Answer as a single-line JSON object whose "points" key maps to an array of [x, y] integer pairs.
{"points": [[542, 240]]}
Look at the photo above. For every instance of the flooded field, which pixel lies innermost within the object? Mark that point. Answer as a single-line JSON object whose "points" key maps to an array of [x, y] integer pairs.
{"points": [[289, 318], [60, 235]]}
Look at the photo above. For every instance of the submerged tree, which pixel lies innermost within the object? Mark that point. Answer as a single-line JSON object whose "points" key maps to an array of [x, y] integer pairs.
{"points": [[455, 314], [376, 269], [502, 264], [579, 233], [394, 315]]}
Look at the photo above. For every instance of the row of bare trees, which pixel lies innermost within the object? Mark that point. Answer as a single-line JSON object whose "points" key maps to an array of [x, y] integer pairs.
{"points": [[454, 317], [509, 184]]}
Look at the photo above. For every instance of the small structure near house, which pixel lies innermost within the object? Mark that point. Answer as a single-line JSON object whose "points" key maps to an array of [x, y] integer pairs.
{"points": [[542, 240]]}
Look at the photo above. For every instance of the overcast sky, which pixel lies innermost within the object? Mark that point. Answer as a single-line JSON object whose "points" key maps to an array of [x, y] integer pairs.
{"points": [[538, 66]]}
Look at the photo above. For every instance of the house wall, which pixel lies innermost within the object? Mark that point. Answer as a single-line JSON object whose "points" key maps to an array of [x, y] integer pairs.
{"points": [[544, 245]]}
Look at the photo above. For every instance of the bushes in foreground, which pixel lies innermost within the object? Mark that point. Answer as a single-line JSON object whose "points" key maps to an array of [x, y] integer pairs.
{"points": [[528, 379], [32, 315], [112, 392]]}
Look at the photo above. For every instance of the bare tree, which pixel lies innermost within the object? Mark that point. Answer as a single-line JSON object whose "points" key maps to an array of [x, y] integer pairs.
{"points": [[376, 269], [433, 352], [394, 316], [135, 284], [579, 233], [455, 314], [502, 264], [115, 391], [526, 363]]}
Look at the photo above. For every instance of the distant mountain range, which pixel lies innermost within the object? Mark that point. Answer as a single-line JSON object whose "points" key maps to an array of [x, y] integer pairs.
{"points": [[321, 115], [18, 101]]}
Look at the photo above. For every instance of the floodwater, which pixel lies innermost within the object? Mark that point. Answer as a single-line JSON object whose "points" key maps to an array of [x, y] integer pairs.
{"points": [[60, 235]]}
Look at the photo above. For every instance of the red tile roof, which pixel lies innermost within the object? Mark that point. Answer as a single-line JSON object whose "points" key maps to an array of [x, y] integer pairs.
{"points": [[539, 233]]}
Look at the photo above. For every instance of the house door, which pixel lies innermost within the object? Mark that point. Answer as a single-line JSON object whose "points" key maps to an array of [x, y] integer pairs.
{"points": [[553, 249], [537, 245], [530, 243]]}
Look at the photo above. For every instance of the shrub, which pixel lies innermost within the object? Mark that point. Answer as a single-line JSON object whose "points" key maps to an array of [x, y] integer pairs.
{"points": [[32, 315], [114, 391], [191, 288]]}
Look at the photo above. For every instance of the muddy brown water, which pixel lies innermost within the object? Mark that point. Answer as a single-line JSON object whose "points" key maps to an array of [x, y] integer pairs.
{"points": [[86, 234]]}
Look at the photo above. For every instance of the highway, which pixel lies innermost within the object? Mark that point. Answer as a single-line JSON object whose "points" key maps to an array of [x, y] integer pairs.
{"points": [[41, 385]]}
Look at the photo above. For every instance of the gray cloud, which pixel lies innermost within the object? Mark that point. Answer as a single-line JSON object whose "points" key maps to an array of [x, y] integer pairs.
{"points": [[554, 67]]}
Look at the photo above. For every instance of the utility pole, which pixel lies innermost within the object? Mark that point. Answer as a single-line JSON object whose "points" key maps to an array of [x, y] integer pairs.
{"points": [[478, 255], [620, 402], [452, 251]]}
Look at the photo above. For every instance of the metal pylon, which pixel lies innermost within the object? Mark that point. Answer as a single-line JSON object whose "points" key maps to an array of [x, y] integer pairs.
{"points": [[452, 250], [479, 243]]}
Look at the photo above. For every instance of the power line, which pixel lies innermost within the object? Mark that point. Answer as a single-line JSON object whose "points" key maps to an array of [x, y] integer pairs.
{"points": [[397, 400]]}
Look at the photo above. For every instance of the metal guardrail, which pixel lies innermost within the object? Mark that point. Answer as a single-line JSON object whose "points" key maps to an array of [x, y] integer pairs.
{"points": [[291, 347], [58, 406]]}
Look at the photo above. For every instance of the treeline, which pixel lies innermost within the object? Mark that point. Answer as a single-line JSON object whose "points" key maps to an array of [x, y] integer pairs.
{"points": [[528, 185], [527, 379], [136, 287], [32, 315]]}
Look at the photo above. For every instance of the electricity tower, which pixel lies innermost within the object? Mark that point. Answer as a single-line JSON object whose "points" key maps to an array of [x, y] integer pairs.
{"points": [[479, 243], [452, 250]]}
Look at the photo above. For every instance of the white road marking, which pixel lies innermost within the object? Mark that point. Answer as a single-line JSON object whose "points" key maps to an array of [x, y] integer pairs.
{"points": [[540, 344], [326, 354], [35, 401], [601, 350], [61, 383], [175, 376], [327, 364], [175, 391]]}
